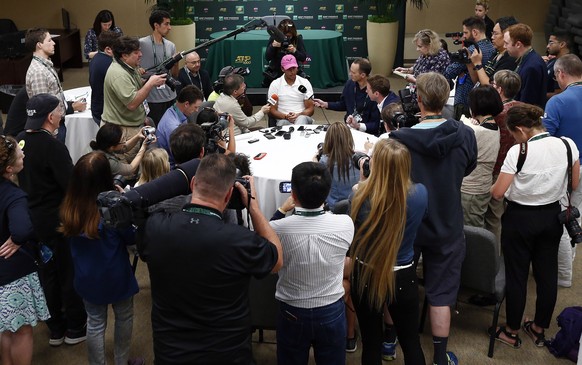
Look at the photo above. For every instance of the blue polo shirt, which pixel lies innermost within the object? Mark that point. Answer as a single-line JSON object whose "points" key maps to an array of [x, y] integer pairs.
{"points": [[171, 119]]}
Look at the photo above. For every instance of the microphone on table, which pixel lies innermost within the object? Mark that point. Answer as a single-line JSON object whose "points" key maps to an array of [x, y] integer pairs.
{"points": [[273, 99]]}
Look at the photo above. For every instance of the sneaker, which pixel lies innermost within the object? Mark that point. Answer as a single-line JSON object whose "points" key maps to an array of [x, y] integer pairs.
{"points": [[452, 359], [352, 344], [56, 339], [75, 337], [389, 350], [136, 361]]}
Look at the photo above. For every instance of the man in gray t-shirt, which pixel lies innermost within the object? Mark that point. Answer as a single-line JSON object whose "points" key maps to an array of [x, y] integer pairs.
{"points": [[155, 49]]}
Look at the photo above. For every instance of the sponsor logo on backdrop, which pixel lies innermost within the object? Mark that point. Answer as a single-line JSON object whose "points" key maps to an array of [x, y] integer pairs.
{"points": [[357, 27], [245, 18], [323, 8], [245, 60], [303, 17], [351, 39], [205, 10], [272, 9], [353, 17], [339, 8], [239, 9], [339, 27], [222, 10], [203, 18], [289, 9], [189, 10], [208, 29]]}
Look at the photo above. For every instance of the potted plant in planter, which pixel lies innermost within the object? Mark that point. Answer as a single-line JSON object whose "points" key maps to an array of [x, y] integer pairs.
{"points": [[183, 33], [382, 31]]}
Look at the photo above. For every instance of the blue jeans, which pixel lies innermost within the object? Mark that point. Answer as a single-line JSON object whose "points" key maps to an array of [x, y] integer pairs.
{"points": [[96, 325], [300, 328]]}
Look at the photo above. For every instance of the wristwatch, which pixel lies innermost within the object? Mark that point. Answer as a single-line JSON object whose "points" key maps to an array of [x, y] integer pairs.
{"points": [[477, 67]]}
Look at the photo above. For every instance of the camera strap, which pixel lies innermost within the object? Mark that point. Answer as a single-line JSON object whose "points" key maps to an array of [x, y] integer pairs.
{"points": [[522, 156], [569, 168]]}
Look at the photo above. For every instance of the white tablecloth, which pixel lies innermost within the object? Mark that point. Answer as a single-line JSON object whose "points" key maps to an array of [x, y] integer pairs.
{"points": [[282, 156], [81, 128]]}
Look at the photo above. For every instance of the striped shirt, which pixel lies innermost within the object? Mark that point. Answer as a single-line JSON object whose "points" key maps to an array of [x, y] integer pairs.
{"points": [[314, 250], [41, 77]]}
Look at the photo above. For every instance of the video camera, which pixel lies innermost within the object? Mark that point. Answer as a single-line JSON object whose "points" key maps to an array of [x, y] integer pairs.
{"points": [[213, 130], [279, 37], [455, 35], [228, 70], [410, 107], [122, 210], [463, 55]]}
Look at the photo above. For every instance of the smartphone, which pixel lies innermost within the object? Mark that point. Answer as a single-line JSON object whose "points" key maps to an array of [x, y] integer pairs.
{"points": [[253, 140], [285, 187], [280, 133], [301, 128], [320, 127], [259, 156], [269, 136], [316, 130]]}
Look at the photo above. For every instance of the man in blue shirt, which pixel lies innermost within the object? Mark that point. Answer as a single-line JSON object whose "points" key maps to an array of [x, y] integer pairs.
{"points": [[98, 69], [562, 119], [474, 31], [188, 102]]}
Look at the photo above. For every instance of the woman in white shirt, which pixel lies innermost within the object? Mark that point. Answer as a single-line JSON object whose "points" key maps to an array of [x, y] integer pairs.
{"points": [[531, 230]]}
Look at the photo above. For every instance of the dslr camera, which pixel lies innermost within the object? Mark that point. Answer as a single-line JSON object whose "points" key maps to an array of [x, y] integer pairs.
{"points": [[568, 218], [359, 156], [236, 201]]}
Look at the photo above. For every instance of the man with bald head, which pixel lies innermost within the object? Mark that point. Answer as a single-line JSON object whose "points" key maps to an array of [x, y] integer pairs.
{"points": [[193, 74]]}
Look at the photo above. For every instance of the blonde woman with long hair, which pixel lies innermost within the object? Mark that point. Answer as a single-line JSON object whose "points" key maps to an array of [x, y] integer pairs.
{"points": [[382, 252]]}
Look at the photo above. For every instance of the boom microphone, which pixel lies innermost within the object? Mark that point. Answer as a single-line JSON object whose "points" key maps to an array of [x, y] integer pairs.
{"points": [[119, 210], [273, 99], [276, 34], [255, 23]]}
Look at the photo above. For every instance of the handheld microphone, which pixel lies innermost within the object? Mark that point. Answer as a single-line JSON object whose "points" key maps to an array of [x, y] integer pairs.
{"points": [[303, 90], [273, 99]]}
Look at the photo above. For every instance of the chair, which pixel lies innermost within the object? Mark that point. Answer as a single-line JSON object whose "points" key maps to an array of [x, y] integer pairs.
{"points": [[264, 306], [7, 26], [479, 273], [273, 19], [16, 118]]}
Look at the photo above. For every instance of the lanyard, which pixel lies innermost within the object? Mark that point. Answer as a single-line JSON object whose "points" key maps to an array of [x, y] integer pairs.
{"points": [[356, 99], [429, 117], [539, 136], [197, 76], [154, 49], [204, 211], [577, 83], [309, 213], [522, 57]]}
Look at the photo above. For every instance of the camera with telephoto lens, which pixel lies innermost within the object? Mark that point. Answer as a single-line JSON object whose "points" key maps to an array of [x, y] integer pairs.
{"points": [[357, 157], [568, 218], [455, 35], [463, 55], [149, 134]]}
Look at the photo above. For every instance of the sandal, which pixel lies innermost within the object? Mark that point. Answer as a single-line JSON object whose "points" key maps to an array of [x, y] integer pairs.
{"points": [[538, 338], [513, 336]]}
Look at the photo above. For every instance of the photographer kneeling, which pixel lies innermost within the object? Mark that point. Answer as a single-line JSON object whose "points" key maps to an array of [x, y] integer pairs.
{"points": [[200, 268]]}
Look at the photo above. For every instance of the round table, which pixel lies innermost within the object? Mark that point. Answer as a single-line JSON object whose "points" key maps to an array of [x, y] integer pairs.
{"points": [[327, 65], [81, 128], [282, 156]]}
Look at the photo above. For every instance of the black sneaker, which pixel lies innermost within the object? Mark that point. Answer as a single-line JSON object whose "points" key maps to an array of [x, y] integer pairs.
{"points": [[75, 337], [57, 339]]}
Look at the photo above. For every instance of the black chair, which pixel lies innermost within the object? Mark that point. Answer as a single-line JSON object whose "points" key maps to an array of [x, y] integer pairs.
{"points": [[264, 306], [7, 26], [481, 273], [16, 118]]}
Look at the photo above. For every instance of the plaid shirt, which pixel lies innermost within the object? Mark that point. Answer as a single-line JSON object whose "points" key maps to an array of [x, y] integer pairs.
{"points": [[41, 77], [456, 69]]}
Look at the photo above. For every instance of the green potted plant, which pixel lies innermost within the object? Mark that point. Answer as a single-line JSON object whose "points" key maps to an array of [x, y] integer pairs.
{"points": [[176, 8], [382, 31]]}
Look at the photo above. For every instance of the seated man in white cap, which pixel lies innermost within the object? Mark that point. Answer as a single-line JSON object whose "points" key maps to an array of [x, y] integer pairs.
{"points": [[292, 95]]}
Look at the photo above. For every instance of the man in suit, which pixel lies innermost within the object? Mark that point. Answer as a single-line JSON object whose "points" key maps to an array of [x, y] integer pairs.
{"points": [[378, 89], [192, 74]]}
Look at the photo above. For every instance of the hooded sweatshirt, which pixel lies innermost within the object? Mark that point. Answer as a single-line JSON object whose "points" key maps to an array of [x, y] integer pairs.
{"points": [[441, 158]]}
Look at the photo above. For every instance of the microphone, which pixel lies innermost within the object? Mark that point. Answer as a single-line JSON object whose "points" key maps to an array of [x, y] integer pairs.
{"points": [[273, 99], [255, 23], [276, 34], [303, 90]]}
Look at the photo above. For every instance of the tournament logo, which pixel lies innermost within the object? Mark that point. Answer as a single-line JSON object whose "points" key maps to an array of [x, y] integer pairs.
{"points": [[339, 8], [339, 28], [289, 9], [240, 9]]}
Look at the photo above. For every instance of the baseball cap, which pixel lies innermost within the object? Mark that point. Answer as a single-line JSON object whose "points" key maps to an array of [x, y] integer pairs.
{"points": [[288, 61], [38, 108]]}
